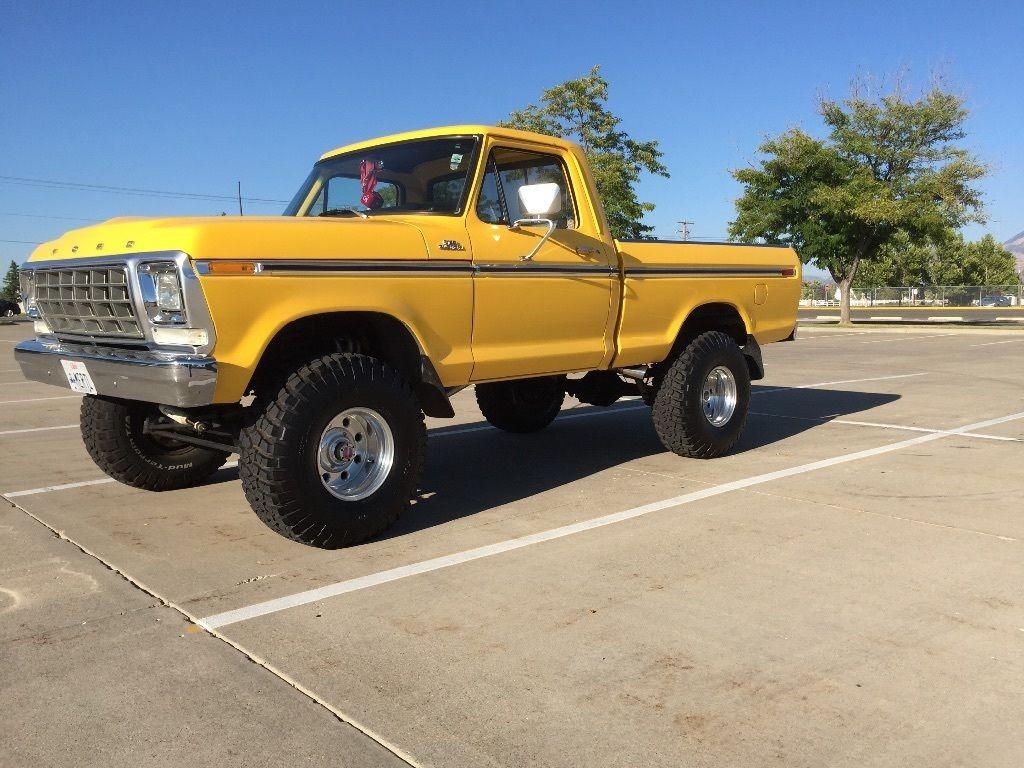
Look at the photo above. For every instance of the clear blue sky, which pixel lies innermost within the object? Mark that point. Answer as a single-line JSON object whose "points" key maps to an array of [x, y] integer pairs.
{"points": [[191, 97]]}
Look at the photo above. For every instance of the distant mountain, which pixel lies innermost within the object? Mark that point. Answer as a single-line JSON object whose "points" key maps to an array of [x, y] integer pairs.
{"points": [[1015, 245]]}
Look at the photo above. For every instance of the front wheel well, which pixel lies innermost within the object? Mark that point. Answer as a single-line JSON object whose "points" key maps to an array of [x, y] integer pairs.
{"points": [[368, 333]]}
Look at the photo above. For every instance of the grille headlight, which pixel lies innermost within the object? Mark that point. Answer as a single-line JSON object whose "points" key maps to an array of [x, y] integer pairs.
{"points": [[168, 292], [28, 292], [161, 292]]}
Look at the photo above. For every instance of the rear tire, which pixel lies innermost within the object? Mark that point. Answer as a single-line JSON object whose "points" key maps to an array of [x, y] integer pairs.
{"points": [[305, 430], [701, 403], [523, 405], [112, 431]]}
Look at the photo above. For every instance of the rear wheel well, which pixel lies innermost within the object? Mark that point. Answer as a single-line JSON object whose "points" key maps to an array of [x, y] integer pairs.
{"points": [[717, 317], [368, 333], [712, 317]]}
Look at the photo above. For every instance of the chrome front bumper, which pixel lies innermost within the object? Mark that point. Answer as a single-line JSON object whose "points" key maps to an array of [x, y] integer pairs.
{"points": [[154, 377]]}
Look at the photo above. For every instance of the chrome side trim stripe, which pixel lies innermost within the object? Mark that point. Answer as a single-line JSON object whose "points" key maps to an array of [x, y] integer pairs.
{"points": [[459, 267], [384, 266], [715, 271], [409, 267], [534, 268]]}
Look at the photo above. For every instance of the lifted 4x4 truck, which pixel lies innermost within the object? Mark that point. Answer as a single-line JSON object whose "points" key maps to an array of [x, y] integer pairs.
{"points": [[405, 269]]}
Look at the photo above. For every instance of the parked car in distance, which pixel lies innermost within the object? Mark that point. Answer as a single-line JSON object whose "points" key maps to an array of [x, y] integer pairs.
{"points": [[9, 308], [994, 301], [404, 270]]}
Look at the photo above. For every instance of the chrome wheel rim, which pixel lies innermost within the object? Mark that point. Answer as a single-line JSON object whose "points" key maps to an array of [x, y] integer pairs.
{"points": [[356, 453], [718, 396]]}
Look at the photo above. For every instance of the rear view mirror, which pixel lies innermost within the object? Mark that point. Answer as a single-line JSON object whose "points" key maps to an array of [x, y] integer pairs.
{"points": [[540, 200]]}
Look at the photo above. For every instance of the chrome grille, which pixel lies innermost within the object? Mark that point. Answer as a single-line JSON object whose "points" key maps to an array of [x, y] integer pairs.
{"points": [[91, 301]]}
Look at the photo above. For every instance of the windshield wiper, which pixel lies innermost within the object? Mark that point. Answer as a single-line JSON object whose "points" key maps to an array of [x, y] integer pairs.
{"points": [[344, 212]]}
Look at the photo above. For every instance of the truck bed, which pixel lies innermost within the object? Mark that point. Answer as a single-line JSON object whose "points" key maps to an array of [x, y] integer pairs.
{"points": [[664, 281]]}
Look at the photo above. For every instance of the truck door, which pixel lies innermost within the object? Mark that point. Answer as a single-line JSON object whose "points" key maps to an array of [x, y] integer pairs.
{"points": [[553, 312]]}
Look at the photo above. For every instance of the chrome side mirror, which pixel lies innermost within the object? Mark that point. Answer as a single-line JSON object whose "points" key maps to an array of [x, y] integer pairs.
{"points": [[541, 202]]}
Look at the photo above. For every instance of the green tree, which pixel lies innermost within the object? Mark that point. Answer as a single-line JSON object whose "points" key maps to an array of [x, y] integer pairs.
{"points": [[576, 110], [11, 290], [959, 263], [811, 290], [899, 262], [985, 262], [889, 165]]}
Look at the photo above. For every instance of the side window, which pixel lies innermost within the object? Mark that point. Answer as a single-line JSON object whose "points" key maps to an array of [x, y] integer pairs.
{"points": [[317, 207], [508, 170], [346, 191], [445, 193]]}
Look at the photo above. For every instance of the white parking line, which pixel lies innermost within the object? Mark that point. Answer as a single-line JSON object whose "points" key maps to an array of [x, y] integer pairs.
{"points": [[40, 399], [884, 317], [816, 336], [992, 343], [566, 416], [907, 338], [37, 429], [82, 484], [841, 381], [63, 487], [881, 425], [446, 561], [12, 383]]}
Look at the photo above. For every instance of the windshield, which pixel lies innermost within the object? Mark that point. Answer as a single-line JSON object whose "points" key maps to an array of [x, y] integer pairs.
{"points": [[425, 176]]}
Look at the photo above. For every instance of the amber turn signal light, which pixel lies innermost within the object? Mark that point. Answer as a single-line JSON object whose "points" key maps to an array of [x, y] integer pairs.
{"points": [[233, 267]]}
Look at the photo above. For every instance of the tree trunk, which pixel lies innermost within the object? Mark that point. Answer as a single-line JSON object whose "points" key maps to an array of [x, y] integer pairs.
{"points": [[844, 301], [845, 283]]}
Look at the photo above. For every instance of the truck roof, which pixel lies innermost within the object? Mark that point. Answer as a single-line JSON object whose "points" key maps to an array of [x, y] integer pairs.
{"points": [[452, 130]]}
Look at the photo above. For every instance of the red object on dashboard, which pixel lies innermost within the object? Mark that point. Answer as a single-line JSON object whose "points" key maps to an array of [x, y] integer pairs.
{"points": [[368, 180]]}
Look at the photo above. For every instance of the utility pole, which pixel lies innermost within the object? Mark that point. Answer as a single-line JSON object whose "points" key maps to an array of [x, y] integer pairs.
{"points": [[240, 199], [684, 230]]}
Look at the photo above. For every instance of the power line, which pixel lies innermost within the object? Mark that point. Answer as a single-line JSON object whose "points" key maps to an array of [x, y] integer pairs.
{"points": [[46, 216], [80, 187], [22, 242]]}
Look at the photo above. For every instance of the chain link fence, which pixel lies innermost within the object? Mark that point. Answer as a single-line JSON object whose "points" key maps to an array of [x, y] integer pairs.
{"points": [[917, 296]]}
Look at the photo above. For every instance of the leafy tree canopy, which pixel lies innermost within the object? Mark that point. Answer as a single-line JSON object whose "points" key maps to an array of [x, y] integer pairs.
{"points": [[889, 167], [948, 261], [576, 110]]}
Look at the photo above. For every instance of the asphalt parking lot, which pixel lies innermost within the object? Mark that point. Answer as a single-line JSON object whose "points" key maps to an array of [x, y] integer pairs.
{"points": [[844, 589]]}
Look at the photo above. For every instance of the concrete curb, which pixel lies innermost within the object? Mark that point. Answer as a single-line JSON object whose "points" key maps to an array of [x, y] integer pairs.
{"points": [[807, 330]]}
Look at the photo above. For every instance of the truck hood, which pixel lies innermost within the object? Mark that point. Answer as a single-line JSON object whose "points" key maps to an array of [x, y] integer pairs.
{"points": [[243, 237]]}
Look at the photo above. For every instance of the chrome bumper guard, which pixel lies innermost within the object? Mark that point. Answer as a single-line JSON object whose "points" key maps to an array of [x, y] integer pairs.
{"points": [[166, 378]]}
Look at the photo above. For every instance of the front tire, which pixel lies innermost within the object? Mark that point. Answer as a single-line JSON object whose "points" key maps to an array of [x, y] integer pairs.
{"points": [[335, 457], [112, 431], [523, 405], [701, 403]]}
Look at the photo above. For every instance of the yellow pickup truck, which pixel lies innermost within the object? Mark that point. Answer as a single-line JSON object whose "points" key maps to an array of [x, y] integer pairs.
{"points": [[405, 269]]}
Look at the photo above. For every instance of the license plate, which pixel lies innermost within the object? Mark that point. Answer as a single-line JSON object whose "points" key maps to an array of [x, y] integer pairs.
{"points": [[78, 377]]}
